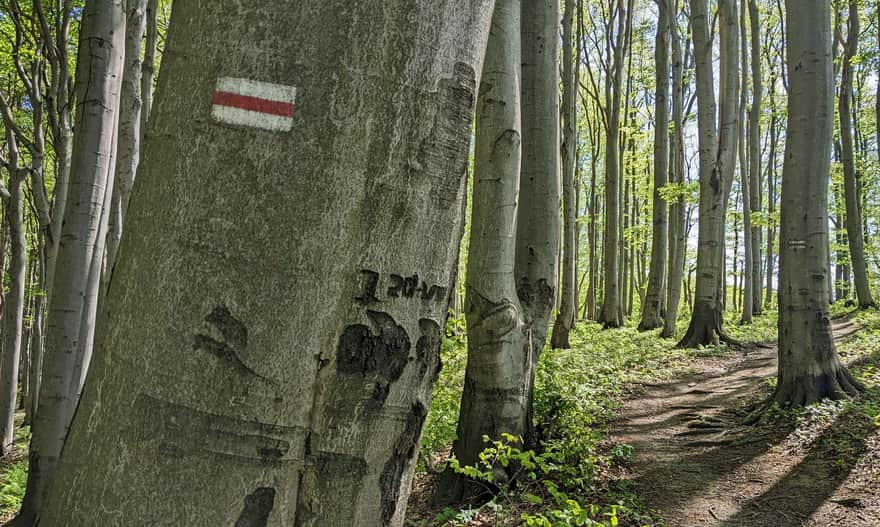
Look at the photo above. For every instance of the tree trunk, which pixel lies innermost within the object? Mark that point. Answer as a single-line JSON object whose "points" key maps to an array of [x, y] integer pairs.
{"points": [[537, 221], [72, 306], [566, 318], [809, 368], [35, 364], [611, 314], [13, 309], [677, 211], [745, 150], [651, 308], [499, 352], [771, 199], [242, 383], [754, 140], [717, 161], [129, 133], [854, 231]]}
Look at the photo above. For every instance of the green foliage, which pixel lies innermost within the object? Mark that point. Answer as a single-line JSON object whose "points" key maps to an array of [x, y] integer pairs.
{"points": [[13, 486]]}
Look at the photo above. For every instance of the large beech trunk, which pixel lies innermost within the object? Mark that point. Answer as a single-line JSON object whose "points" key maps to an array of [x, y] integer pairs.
{"points": [[754, 140], [275, 369], [809, 368]]}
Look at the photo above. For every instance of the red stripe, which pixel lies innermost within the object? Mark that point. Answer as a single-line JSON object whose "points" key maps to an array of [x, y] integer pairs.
{"points": [[254, 104]]}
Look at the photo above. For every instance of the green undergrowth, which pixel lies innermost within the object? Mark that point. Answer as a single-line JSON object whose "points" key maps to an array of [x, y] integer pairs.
{"points": [[578, 393], [13, 473]]}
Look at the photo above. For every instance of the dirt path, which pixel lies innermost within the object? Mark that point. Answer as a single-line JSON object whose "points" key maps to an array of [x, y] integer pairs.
{"points": [[696, 467]]}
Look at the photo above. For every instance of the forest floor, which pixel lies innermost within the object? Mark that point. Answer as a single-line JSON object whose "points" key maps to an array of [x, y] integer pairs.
{"points": [[660, 431], [696, 466]]}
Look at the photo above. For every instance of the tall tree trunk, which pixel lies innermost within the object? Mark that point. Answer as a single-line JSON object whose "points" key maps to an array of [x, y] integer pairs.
{"points": [[746, 149], [13, 309], [754, 140], [129, 133], [35, 364], [809, 368], [717, 161], [854, 231], [72, 305], [651, 308], [771, 198], [611, 313], [538, 222], [242, 384], [677, 210], [566, 318], [499, 352]]}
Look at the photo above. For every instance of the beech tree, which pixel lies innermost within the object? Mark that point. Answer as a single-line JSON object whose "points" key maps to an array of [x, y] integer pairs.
{"points": [[809, 368], [73, 304], [854, 233], [245, 383], [651, 308], [717, 146]]}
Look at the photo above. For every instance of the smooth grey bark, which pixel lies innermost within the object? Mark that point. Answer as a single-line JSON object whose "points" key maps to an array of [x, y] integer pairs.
{"points": [[129, 133], [809, 368], [565, 320], [611, 314], [35, 365], [745, 150], [677, 208], [73, 303], [652, 305], [245, 383], [754, 142], [13, 307], [855, 234], [771, 197], [538, 222], [717, 145], [499, 363]]}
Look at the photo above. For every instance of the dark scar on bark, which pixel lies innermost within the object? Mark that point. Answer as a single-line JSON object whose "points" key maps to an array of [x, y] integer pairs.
{"points": [[234, 344], [257, 507], [404, 450], [360, 351]]}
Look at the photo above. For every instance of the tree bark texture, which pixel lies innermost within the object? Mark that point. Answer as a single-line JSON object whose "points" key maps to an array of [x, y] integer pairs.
{"points": [[281, 380], [809, 368]]}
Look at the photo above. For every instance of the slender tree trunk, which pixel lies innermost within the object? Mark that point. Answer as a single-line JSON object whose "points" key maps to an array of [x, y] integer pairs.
{"points": [[243, 384], [499, 352], [148, 66], [746, 150], [652, 306], [13, 309], [611, 313], [538, 222], [809, 368], [74, 294], [854, 231], [754, 140], [566, 318], [129, 133], [771, 201], [717, 161], [677, 211], [35, 370]]}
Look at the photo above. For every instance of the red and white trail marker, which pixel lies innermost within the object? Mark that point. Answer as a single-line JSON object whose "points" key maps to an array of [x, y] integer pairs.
{"points": [[256, 104]]}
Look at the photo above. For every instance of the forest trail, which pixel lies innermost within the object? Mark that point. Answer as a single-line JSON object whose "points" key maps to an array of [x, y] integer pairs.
{"points": [[696, 466]]}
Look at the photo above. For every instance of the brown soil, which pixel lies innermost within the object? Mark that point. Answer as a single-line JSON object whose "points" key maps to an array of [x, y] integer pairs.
{"points": [[696, 466]]}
